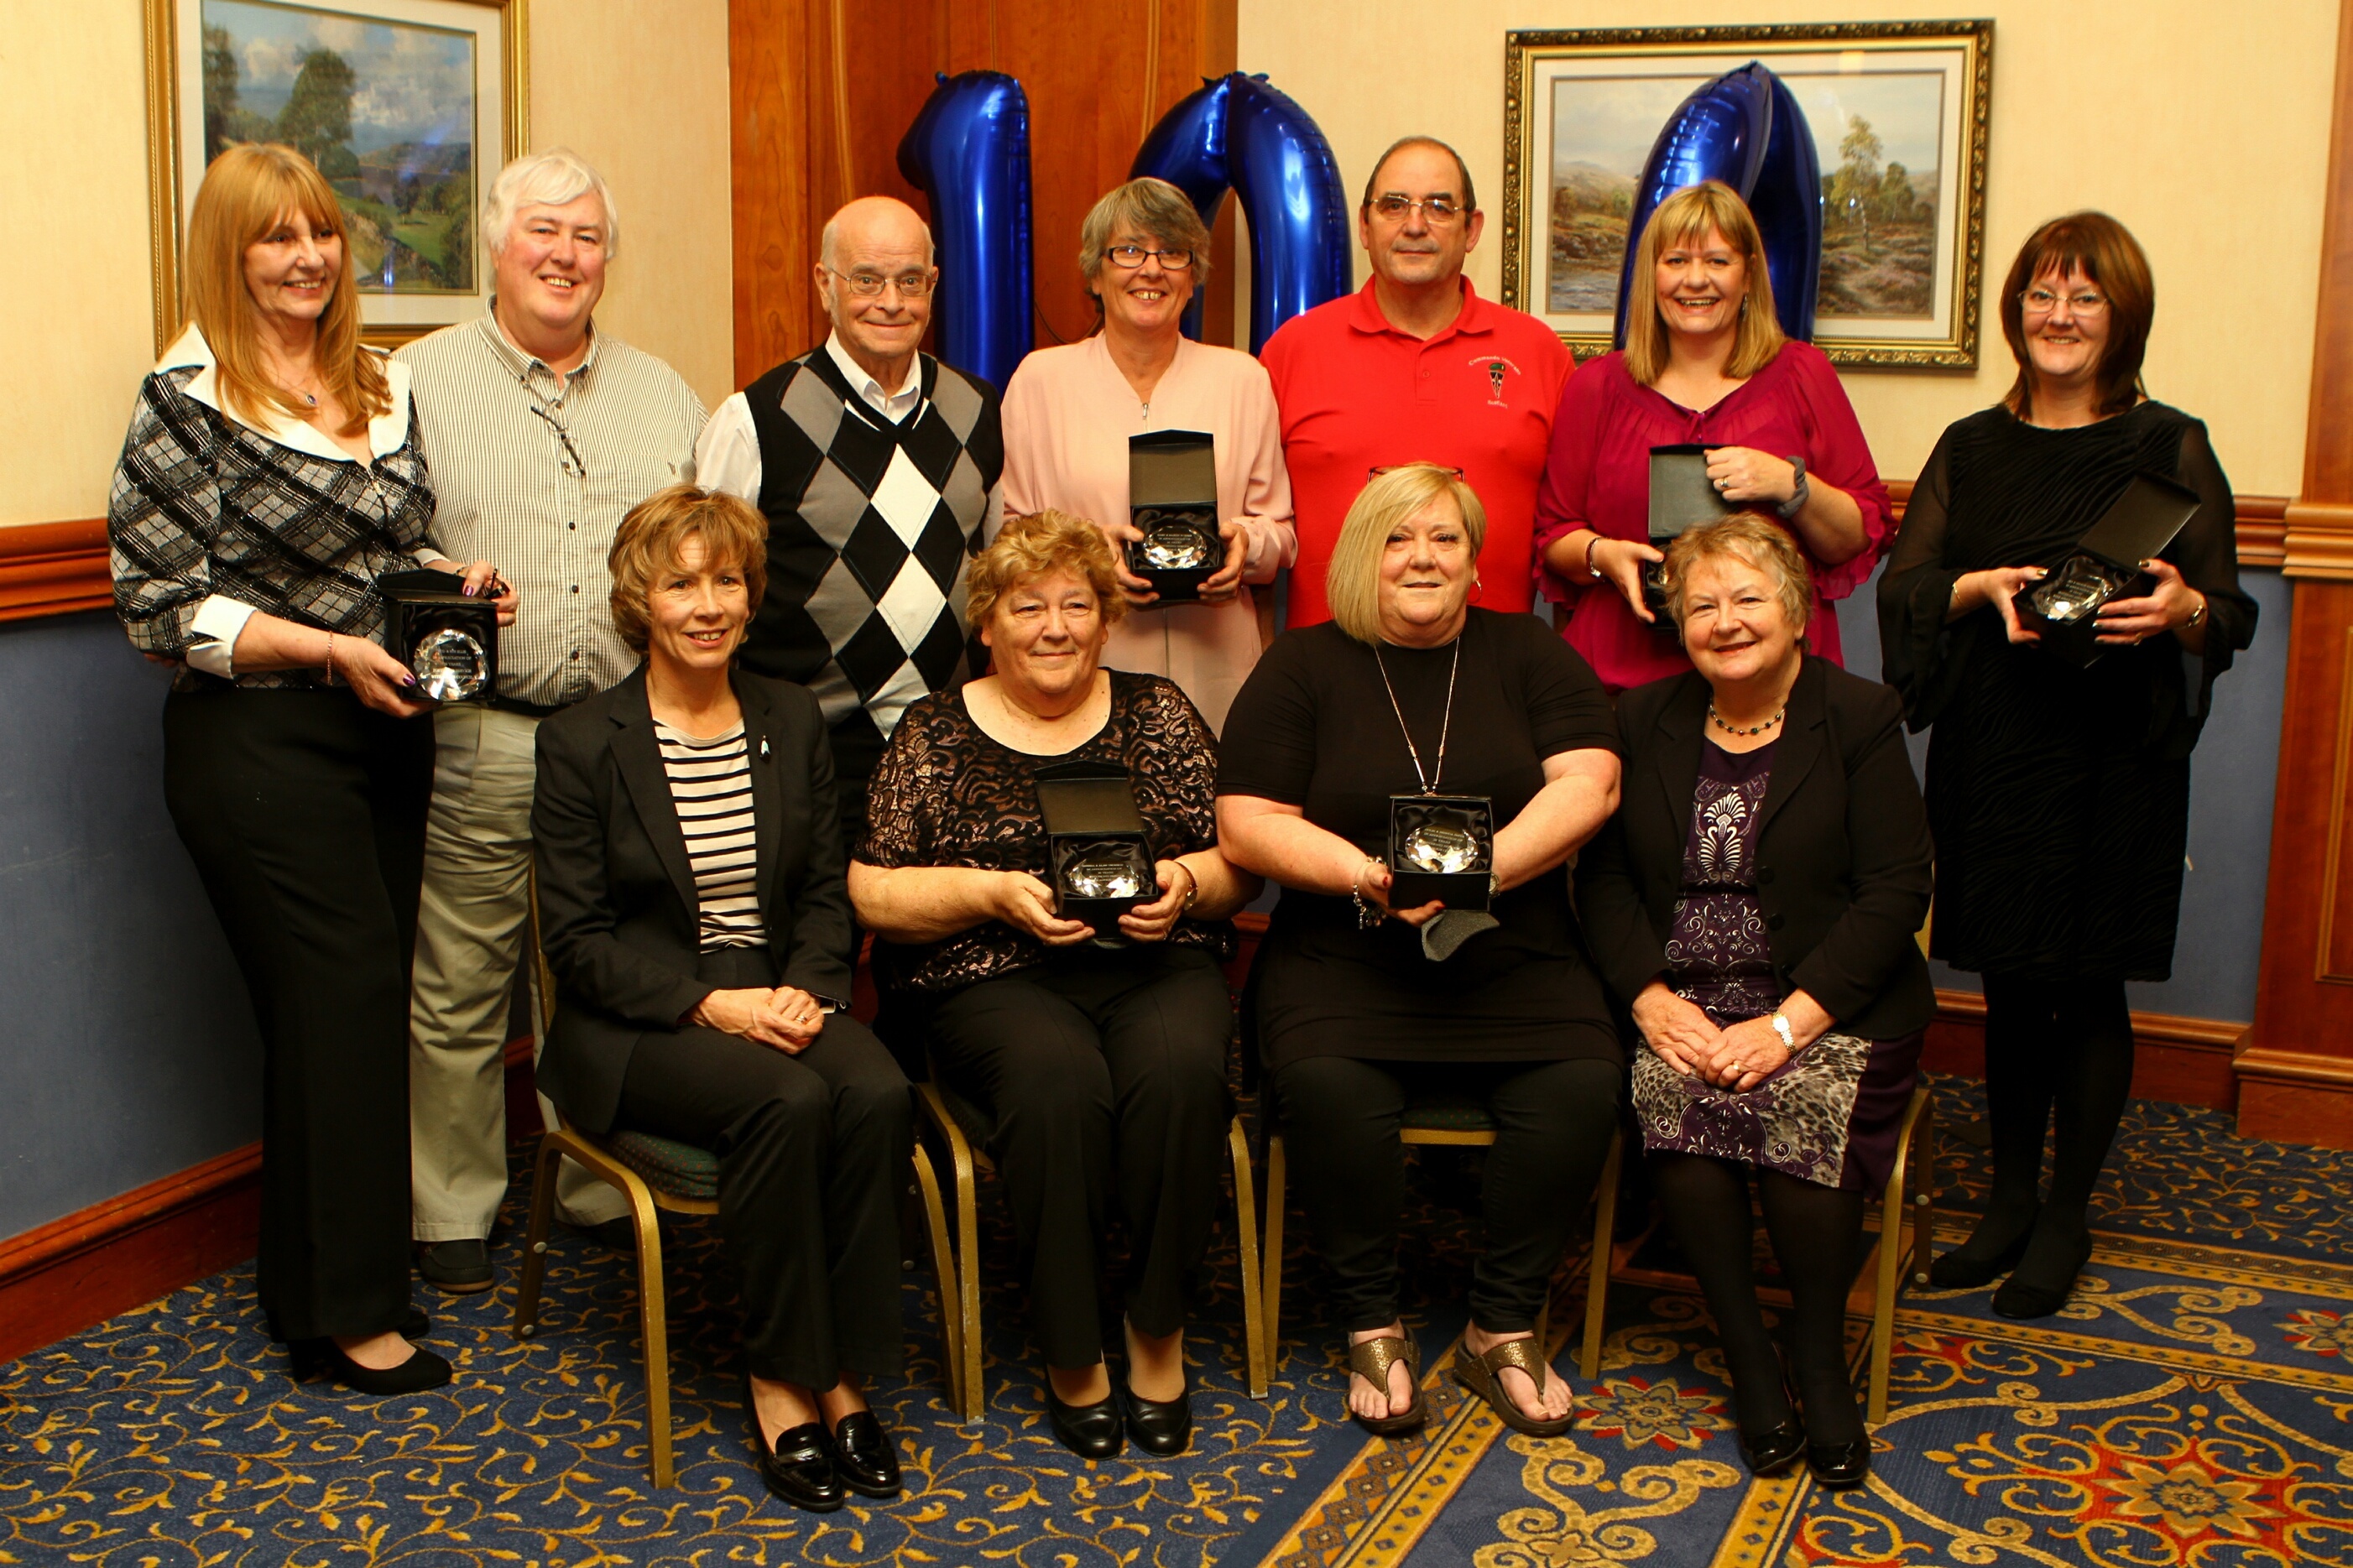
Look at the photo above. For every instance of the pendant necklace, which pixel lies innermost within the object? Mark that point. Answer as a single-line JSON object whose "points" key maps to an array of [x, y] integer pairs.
{"points": [[1716, 719], [1429, 780]]}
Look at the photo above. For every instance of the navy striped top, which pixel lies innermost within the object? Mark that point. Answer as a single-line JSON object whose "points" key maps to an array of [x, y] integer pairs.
{"points": [[710, 785]]}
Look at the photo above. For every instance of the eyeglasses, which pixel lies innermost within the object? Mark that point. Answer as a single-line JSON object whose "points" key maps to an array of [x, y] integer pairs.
{"points": [[2082, 301], [1375, 473], [1436, 211], [867, 285], [1131, 256]]}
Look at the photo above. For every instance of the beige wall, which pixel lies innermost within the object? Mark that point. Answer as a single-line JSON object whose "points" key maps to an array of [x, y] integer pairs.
{"points": [[2205, 134], [639, 87]]}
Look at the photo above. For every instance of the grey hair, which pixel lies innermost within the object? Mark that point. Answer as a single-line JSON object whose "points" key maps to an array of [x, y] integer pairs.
{"points": [[545, 179], [1151, 207]]}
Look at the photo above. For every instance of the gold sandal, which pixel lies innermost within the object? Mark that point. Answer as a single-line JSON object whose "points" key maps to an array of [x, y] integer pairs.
{"points": [[1483, 1375], [1371, 1361]]}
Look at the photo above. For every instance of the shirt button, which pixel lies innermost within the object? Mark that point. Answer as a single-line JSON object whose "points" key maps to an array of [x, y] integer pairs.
{"points": [[576, 653], [571, 525], [1425, 372], [575, 587]]}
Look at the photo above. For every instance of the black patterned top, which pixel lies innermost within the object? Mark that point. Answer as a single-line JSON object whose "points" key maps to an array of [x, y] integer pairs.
{"points": [[209, 511], [1719, 955], [946, 794]]}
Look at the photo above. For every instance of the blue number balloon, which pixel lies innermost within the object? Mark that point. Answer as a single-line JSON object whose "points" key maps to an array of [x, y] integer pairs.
{"points": [[1746, 129], [1238, 131], [968, 151]]}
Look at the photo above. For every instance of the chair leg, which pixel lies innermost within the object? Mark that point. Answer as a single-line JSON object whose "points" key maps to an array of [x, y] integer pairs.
{"points": [[534, 1251], [1271, 1253], [944, 1270], [1597, 1272], [1256, 1363], [1892, 1219], [1924, 1200], [653, 1322]]}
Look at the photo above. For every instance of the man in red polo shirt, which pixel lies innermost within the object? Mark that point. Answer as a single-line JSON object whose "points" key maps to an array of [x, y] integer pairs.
{"points": [[1416, 366]]}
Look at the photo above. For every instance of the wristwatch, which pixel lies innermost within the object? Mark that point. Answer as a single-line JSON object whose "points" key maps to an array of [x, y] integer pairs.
{"points": [[1798, 497], [1789, 1040]]}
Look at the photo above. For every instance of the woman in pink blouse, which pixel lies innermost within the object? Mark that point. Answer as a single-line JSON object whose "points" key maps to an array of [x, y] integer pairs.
{"points": [[1069, 410], [1705, 365]]}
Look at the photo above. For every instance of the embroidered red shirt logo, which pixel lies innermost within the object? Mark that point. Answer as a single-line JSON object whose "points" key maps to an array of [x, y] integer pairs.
{"points": [[1498, 367]]}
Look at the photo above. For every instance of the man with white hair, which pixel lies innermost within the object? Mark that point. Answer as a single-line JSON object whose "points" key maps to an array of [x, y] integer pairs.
{"points": [[877, 466], [541, 433]]}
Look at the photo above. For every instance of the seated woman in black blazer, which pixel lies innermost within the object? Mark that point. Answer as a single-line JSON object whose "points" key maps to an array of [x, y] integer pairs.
{"points": [[691, 890], [1754, 902]]}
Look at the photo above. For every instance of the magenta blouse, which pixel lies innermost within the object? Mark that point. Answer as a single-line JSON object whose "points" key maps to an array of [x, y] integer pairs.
{"points": [[1598, 477]]}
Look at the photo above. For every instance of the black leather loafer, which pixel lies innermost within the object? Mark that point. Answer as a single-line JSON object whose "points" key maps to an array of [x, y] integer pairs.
{"points": [[421, 1371], [455, 1268], [862, 1455], [799, 1469], [1770, 1453], [1163, 1427], [1090, 1431], [1839, 1466]]}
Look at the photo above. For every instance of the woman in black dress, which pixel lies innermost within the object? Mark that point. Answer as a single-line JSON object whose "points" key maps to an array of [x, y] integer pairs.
{"points": [[2059, 794], [1411, 690]]}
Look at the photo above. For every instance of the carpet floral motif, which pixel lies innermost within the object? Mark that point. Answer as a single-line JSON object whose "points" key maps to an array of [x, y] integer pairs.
{"points": [[1639, 1412], [1567, 1532]]}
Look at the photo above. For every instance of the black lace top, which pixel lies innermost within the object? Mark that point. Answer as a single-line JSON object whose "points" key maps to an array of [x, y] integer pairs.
{"points": [[946, 794]]}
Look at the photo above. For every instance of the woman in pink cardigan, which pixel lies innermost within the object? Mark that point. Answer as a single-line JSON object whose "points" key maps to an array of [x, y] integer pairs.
{"points": [[1069, 410]]}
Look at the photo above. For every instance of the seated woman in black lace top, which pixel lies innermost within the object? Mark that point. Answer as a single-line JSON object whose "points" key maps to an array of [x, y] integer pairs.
{"points": [[1103, 1069]]}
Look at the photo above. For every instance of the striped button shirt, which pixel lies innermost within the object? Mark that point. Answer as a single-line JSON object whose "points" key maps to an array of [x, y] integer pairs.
{"points": [[710, 785], [535, 471]]}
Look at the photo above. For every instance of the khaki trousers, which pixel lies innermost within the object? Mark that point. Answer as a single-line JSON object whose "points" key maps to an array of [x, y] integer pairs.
{"points": [[472, 925]]}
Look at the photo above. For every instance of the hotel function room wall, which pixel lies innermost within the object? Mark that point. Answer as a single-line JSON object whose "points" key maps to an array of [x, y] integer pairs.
{"points": [[129, 1050], [2207, 136]]}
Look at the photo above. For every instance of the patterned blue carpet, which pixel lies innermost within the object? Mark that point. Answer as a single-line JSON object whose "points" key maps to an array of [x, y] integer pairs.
{"points": [[2192, 1408]]}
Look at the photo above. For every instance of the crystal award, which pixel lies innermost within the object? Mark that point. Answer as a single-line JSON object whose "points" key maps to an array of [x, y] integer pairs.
{"points": [[451, 666], [1172, 497], [1109, 873], [1100, 864], [2078, 589], [2064, 608], [447, 638], [1442, 847]]}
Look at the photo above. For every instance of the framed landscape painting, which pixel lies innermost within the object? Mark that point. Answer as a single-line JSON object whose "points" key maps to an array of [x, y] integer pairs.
{"points": [[408, 107], [1898, 111]]}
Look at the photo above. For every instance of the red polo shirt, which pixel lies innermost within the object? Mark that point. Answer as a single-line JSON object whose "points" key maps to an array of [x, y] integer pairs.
{"points": [[1356, 393]]}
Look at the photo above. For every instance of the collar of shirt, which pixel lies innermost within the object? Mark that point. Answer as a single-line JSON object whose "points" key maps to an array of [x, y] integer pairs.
{"points": [[386, 431], [530, 366], [893, 405], [1476, 316]]}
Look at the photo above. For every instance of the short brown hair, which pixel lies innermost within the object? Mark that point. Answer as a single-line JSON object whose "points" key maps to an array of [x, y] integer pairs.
{"points": [[1683, 218], [1757, 541], [1147, 206], [2107, 253], [1469, 195], [1352, 578], [732, 531], [1040, 545]]}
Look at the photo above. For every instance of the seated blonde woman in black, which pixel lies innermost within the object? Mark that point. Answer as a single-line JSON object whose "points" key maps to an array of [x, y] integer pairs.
{"points": [[691, 893]]}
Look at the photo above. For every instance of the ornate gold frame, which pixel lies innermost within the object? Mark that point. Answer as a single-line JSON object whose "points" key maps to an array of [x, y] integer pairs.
{"points": [[1525, 49], [164, 146]]}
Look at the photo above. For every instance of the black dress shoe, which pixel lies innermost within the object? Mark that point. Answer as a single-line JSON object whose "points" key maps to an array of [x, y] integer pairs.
{"points": [[1960, 1270], [421, 1371], [1163, 1427], [800, 1467], [1090, 1431], [1770, 1453], [1839, 1466], [2036, 1289], [455, 1268], [862, 1455]]}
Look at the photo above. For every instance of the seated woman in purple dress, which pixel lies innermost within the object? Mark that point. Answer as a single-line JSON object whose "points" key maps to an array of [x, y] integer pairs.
{"points": [[1763, 936]]}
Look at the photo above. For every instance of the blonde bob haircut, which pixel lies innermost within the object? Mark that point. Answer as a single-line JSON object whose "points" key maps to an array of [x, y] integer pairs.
{"points": [[1041, 545], [248, 191], [1153, 208], [653, 535], [1352, 582], [1684, 218], [1756, 541]]}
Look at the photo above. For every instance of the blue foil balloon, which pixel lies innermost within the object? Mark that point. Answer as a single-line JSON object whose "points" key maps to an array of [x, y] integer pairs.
{"points": [[1239, 132], [968, 151], [1745, 129]]}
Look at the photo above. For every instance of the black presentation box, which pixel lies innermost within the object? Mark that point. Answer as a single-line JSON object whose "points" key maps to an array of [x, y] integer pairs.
{"points": [[1441, 846], [448, 640], [2106, 564], [1096, 843], [1172, 498], [1681, 496]]}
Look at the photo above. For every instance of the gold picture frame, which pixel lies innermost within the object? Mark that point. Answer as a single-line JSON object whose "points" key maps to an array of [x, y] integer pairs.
{"points": [[1903, 259], [496, 49]]}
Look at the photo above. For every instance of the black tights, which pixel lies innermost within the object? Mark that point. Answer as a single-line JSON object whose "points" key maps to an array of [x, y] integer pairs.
{"points": [[2063, 1045], [1815, 1231]]}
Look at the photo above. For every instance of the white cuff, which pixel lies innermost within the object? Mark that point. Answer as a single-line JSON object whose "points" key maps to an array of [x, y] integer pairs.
{"points": [[212, 636]]}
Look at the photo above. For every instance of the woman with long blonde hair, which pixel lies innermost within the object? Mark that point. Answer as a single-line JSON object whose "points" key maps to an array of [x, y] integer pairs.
{"points": [[271, 475]]}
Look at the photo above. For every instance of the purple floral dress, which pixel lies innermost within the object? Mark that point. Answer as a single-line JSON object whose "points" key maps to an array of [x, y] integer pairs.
{"points": [[1829, 1114]]}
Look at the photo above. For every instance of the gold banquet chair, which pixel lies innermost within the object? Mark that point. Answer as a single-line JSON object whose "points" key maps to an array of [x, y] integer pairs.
{"points": [[655, 1174]]}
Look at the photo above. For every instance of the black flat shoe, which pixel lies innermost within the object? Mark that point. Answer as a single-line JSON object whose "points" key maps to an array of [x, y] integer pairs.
{"points": [[314, 1358], [1960, 1270], [2032, 1292], [800, 1467], [1162, 1427], [862, 1455], [1770, 1453], [1090, 1431], [1839, 1466], [455, 1268]]}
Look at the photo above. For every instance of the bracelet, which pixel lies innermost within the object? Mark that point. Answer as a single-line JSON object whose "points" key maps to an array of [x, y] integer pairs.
{"points": [[1368, 915], [1591, 569], [1192, 887], [2197, 616], [330, 658]]}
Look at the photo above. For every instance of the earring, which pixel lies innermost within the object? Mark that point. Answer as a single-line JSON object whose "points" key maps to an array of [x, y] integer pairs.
{"points": [[1477, 589]]}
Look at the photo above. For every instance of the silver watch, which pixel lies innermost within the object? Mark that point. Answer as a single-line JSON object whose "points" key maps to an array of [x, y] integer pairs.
{"points": [[1789, 1040]]}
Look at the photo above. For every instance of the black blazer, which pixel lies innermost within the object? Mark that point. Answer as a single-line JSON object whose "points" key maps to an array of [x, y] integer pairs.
{"points": [[1844, 866], [616, 903]]}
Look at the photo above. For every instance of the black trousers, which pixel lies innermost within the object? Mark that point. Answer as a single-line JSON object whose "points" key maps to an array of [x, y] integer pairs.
{"points": [[304, 812], [1105, 1072], [1340, 1123], [813, 1149]]}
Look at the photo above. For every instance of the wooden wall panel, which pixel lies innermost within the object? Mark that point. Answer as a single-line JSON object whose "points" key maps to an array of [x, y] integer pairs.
{"points": [[768, 71]]}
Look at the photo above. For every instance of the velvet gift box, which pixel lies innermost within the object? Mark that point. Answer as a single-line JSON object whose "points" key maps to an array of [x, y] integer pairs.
{"points": [[1442, 849], [1681, 496], [2106, 564], [1172, 497], [1096, 848]]}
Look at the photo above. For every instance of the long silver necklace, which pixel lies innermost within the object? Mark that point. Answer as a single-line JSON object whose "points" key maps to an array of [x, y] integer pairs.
{"points": [[1429, 780]]}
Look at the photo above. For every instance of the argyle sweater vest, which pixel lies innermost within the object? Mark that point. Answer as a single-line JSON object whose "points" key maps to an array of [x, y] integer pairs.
{"points": [[870, 526]]}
